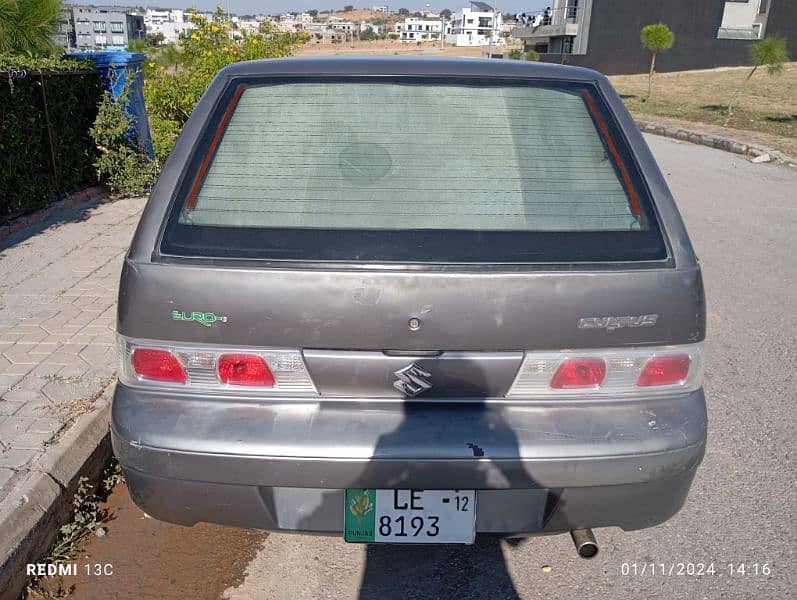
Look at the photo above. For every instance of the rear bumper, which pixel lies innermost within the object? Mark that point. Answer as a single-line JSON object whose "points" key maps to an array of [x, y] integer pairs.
{"points": [[283, 464]]}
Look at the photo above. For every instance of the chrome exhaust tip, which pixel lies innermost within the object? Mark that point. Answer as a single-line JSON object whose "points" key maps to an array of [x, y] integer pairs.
{"points": [[585, 543]]}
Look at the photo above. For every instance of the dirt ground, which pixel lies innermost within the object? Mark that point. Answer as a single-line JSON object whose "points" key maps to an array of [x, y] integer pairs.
{"points": [[150, 559], [391, 47]]}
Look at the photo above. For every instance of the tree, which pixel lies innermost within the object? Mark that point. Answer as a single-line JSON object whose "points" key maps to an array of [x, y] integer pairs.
{"points": [[404, 12], [771, 52], [155, 39], [313, 13], [348, 8], [656, 38], [368, 35], [445, 13], [27, 26]]}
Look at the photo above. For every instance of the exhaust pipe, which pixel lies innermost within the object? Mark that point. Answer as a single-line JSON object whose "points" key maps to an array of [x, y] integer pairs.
{"points": [[585, 543]]}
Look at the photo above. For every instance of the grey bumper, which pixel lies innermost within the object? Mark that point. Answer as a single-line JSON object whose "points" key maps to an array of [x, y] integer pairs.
{"points": [[179, 450]]}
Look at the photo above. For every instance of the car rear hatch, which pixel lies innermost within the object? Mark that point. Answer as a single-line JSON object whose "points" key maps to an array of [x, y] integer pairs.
{"points": [[413, 236]]}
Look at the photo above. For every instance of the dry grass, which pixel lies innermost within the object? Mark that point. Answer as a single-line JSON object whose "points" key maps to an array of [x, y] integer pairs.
{"points": [[768, 105], [390, 47]]}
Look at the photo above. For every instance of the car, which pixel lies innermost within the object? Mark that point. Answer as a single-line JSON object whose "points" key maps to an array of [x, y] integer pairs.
{"points": [[411, 301]]}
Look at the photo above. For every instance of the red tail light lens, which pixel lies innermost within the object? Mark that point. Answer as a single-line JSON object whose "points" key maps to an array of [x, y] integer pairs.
{"points": [[576, 373], [664, 370], [245, 369], [158, 365]]}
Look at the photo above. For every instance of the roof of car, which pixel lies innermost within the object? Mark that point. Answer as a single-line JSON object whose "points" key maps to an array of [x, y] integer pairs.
{"points": [[399, 65]]}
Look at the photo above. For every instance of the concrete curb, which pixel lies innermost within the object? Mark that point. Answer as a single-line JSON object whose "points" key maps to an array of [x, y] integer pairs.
{"points": [[82, 198], [712, 141], [40, 502]]}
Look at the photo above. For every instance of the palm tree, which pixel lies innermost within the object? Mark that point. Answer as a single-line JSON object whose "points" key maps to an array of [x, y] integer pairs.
{"points": [[27, 26], [770, 52], [656, 38]]}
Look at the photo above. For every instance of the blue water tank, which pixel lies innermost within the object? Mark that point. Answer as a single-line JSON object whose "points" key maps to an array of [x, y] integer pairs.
{"points": [[115, 68]]}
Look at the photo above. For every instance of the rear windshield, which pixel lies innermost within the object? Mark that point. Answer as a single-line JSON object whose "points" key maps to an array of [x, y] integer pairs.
{"points": [[412, 171]]}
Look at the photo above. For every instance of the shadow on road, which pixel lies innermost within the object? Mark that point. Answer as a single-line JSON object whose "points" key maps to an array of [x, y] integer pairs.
{"points": [[427, 430]]}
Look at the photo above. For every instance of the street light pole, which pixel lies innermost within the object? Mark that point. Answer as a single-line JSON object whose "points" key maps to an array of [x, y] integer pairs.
{"points": [[492, 35]]}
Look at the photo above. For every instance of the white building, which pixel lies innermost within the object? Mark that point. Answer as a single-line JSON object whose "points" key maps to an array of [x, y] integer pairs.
{"points": [[294, 22], [170, 23], [346, 26], [365, 26], [380, 9], [743, 20], [415, 29], [475, 26]]}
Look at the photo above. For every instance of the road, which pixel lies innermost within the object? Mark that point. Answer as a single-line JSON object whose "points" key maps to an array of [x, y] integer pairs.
{"points": [[742, 219]]}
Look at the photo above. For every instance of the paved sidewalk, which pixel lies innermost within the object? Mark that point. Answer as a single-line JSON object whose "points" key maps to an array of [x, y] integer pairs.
{"points": [[58, 286]]}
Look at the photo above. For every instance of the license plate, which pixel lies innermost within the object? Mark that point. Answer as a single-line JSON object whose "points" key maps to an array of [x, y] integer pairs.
{"points": [[410, 516]]}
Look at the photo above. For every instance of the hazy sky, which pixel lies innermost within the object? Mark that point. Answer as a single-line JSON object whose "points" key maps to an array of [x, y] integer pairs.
{"points": [[279, 6]]}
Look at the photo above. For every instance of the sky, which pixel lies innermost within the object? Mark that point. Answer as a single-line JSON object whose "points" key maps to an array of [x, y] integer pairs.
{"points": [[243, 7]]}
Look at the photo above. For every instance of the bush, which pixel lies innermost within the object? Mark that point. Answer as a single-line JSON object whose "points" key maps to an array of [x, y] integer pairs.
{"points": [[121, 164], [164, 135], [516, 54], [532, 55], [73, 90]]}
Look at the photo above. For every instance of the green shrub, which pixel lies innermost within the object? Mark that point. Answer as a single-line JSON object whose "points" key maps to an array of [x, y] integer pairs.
{"points": [[516, 54], [164, 134], [532, 55], [27, 181], [121, 164]]}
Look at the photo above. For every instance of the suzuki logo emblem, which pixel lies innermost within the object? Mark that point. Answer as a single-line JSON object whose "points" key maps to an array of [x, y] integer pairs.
{"points": [[412, 380]]}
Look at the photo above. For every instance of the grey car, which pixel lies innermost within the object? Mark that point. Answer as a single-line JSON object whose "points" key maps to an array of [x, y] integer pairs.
{"points": [[411, 301]]}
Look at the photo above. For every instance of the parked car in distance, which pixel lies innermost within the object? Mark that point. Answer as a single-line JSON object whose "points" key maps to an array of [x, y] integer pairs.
{"points": [[407, 300]]}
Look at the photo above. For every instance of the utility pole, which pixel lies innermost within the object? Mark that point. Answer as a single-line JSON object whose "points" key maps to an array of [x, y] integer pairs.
{"points": [[492, 35]]}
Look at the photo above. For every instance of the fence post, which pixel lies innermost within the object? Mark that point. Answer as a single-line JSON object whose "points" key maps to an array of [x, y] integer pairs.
{"points": [[49, 128]]}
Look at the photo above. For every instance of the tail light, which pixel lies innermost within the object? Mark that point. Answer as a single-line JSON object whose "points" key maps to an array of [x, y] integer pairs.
{"points": [[157, 364], [664, 370], [236, 371], [611, 372], [245, 369], [574, 373]]}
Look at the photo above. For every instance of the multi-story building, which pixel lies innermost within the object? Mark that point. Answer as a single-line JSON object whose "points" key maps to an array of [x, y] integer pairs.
{"points": [[294, 22], [96, 28], [479, 25], [604, 34], [65, 37], [380, 9], [169, 23], [415, 29], [557, 29]]}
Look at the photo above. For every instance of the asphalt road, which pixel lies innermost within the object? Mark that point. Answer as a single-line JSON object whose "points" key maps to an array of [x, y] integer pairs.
{"points": [[738, 522], [742, 219]]}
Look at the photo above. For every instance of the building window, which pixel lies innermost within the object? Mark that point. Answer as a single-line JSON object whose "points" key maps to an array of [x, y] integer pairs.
{"points": [[99, 26], [117, 27]]}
